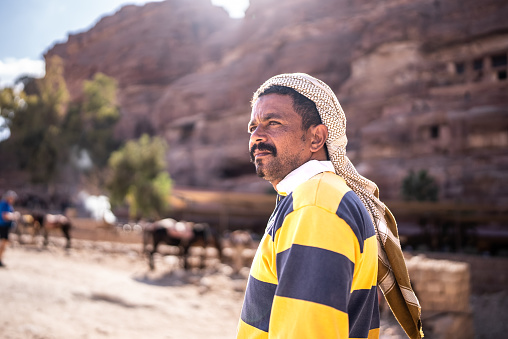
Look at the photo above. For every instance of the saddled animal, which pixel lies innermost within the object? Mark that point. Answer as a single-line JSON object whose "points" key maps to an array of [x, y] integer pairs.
{"points": [[181, 234], [29, 224], [239, 241], [38, 223], [57, 221]]}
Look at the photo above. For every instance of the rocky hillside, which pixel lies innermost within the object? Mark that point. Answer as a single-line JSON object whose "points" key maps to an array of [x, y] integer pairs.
{"points": [[423, 84]]}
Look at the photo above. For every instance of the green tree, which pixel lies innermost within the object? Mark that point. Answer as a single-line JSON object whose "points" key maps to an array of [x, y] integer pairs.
{"points": [[36, 129], [89, 127], [419, 187], [139, 177], [46, 128], [99, 115], [11, 102], [53, 93]]}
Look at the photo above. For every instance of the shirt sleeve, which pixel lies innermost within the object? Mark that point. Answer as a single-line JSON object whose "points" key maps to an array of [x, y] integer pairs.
{"points": [[315, 258], [4, 207]]}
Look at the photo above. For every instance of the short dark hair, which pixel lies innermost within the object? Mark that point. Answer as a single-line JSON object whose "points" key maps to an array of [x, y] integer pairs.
{"points": [[302, 105]]}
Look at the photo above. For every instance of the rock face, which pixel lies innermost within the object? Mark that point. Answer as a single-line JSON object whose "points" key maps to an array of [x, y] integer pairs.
{"points": [[145, 49], [423, 84]]}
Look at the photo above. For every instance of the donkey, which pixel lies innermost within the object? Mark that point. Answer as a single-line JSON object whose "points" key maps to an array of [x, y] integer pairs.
{"points": [[181, 234]]}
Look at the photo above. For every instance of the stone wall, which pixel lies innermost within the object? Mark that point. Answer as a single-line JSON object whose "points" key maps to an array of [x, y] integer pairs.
{"points": [[443, 289], [488, 274]]}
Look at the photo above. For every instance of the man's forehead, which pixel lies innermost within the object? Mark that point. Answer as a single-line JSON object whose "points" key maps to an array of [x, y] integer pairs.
{"points": [[272, 105]]}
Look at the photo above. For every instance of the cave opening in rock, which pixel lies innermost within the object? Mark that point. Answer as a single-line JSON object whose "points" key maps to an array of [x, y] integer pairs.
{"points": [[499, 60], [186, 131], [501, 75], [434, 131]]}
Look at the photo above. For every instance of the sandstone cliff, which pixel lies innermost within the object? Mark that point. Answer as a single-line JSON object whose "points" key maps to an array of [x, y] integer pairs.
{"points": [[423, 83]]}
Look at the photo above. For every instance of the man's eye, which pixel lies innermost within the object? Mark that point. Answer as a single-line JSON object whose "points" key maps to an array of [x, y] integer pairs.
{"points": [[251, 129], [274, 123]]}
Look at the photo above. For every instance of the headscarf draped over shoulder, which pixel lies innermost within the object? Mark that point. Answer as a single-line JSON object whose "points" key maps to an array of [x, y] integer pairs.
{"points": [[393, 277]]}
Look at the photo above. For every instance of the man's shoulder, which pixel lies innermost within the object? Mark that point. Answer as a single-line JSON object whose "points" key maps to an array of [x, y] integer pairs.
{"points": [[324, 190], [328, 191], [326, 183]]}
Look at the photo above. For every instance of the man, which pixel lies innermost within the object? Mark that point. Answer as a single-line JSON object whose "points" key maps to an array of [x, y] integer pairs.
{"points": [[316, 271], [7, 216]]}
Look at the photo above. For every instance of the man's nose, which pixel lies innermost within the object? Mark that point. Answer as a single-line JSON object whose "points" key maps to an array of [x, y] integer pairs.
{"points": [[257, 135]]}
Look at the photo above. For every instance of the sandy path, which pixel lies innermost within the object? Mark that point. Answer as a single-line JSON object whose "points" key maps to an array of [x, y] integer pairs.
{"points": [[89, 292]]}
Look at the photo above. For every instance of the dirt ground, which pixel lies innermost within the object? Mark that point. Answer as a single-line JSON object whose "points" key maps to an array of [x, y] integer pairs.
{"points": [[101, 289], [104, 290]]}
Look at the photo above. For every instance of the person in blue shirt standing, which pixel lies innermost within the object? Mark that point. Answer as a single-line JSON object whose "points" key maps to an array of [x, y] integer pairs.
{"points": [[7, 216]]}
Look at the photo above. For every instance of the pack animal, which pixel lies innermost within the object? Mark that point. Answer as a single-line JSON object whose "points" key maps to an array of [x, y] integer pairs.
{"points": [[57, 221], [29, 224], [42, 224], [240, 240], [184, 235]]}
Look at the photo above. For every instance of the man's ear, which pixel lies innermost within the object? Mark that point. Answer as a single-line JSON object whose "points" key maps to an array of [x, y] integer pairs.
{"points": [[319, 134]]}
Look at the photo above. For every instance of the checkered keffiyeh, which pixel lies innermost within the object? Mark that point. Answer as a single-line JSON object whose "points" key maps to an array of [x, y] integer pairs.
{"points": [[393, 277]]}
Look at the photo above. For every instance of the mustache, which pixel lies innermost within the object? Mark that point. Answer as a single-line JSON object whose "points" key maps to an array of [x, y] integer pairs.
{"points": [[262, 147]]}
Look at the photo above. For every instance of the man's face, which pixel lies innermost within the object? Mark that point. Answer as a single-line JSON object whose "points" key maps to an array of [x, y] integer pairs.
{"points": [[277, 142]]}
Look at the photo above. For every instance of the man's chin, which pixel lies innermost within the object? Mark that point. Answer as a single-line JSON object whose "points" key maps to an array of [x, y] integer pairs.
{"points": [[260, 172], [265, 170]]}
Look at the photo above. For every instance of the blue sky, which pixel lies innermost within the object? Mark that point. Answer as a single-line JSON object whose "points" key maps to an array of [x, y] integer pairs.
{"points": [[30, 27]]}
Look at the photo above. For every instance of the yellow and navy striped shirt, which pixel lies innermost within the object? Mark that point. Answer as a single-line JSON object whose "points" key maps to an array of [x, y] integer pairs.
{"points": [[315, 271]]}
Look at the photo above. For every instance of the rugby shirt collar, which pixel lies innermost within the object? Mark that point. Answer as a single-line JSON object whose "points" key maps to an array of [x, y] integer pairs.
{"points": [[302, 174]]}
